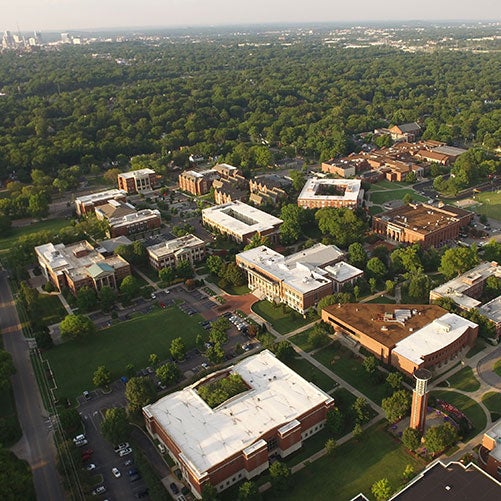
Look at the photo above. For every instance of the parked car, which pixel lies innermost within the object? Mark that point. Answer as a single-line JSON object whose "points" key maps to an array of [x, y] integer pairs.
{"points": [[174, 488], [133, 471], [116, 472], [124, 452], [128, 462], [135, 478], [119, 447], [90, 467], [99, 490]]}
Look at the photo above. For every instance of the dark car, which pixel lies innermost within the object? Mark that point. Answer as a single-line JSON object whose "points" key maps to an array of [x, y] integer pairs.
{"points": [[174, 488], [135, 478], [132, 471]]}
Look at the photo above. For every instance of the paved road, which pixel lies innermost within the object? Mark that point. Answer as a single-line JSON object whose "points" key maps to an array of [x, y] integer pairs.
{"points": [[485, 369], [36, 446]]}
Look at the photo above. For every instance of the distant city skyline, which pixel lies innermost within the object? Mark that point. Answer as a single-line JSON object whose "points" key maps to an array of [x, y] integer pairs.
{"points": [[61, 15]]}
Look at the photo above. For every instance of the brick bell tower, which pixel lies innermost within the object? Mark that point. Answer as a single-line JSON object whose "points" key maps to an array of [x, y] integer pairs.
{"points": [[420, 399]]}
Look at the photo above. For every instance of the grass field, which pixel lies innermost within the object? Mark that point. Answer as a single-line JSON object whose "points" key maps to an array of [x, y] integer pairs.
{"points": [[489, 204], [497, 368], [312, 374], [301, 340], [381, 197], [50, 225], [131, 342], [282, 322], [52, 310], [464, 380], [492, 400], [340, 360], [353, 468], [467, 405]]}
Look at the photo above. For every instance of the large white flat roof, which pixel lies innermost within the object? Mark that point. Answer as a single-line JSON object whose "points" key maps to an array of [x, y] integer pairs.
{"points": [[208, 436], [433, 337], [492, 310], [342, 271], [137, 173], [174, 245], [101, 195], [240, 218], [351, 186]]}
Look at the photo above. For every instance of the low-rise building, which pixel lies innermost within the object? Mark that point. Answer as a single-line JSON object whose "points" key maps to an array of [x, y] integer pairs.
{"points": [[424, 224], [343, 274], [405, 132], [237, 439], [345, 167], [78, 265], [490, 452], [269, 189], [409, 337], [298, 280], [138, 181], [318, 193], [86, 204], [241, 222], [171, 252], [229, 190], [124, 219]]}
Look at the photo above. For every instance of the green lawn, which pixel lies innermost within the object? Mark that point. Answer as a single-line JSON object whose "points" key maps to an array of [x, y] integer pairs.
{"points": [[312, 374], [282, 322], [341, 361], [492, 400], [353, 468], [497, 368], [74, 362], [489, 204], [51, 225], [52, 311], [464, 380], [301, 340], [390, 185], [381, 197], [375, 209], [466, 404]]}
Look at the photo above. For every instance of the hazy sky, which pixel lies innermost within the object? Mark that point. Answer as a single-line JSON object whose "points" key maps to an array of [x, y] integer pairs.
{"points": [[80, 14]]}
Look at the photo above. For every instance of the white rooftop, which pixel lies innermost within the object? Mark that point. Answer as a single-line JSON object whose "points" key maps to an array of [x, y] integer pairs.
{"points": [[340, 272], [102, 195], [299, 275], [208, 436], [240, 218], [449, 150], [137, 173], [174, 245], [433, 337], [495, 434], [352, 189], [492, 310], [316, 255], [140, 215]]}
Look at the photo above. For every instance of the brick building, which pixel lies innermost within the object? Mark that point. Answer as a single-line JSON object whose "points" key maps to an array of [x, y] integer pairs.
{"points": [[424, 224], [237, 439], [197, 183], [86, 204], [241, 222], [78, 265], [318, 193], [409, 337], [269, 189], [298, 280], [170, 253], [138, 181], [490, 452], [405, 132], [349, 166]]}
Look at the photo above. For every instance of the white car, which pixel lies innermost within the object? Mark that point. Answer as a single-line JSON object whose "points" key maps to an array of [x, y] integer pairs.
{"points": [[119, 447], [125, 452], [116, 472], [90, 467]]}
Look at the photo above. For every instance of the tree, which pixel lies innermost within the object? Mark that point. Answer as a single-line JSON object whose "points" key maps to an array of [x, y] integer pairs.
{"points": [[177, 348], [168, 373], [419, 286], [411, 438], [406, 259], [218, 335], [318, 336], [438, 438], [215, 353], [280, 476], [166, 275], [381, 489], [298, 179], [101, 377], [5, 224], [394, 380], [115, 426], [389, 286], [214, 264], [372, 285], [343, 225], [293, 218], [86, 299], [107, 297], [407, 199], [70, 421], [458, 260], [139, 391], [357, 255], [153, 359], [330, 446], [408, 473], [362, 410], [234, 275], [248, 491], [15, 477], [370, 364], [38, 205], [256, 241], [76, 327], [184, 269], [358, 431], [284, 351], [337, 298], [335, 421], [7, 369], [396, 406], [376, 268], [129, 287], [209, 492]]}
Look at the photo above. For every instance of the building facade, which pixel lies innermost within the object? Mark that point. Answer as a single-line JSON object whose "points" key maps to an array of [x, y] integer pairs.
{"points": [[424, 224], [197, 183], [86, 204], [170, 253], [490, 452], [269, 189], [137, 181], [237, 439], [318, 193]]}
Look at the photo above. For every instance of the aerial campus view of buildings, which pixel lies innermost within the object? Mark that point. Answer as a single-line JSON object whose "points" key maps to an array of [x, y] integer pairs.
{"points": [[251, 417], [278, 410]]}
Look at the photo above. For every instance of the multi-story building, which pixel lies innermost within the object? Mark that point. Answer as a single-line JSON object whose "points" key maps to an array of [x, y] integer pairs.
{"points": [[298, 280], [409, 337], [424, 224], [170, 253], [123, 219], [78, 265], [229, 190], [343, 275], [138, 181], [86, 204], [200, 183], [490, 452], [269, 189], [241, 222], [345, 167], [318, 193], [237, 439], [405, 132]]}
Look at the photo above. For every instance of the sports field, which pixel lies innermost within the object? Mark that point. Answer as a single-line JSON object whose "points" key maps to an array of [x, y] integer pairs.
{"points": [[488, 203]]}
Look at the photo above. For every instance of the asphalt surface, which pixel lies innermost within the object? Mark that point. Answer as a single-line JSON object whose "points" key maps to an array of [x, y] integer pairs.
{"points": [[485, 368], [36, 445]]}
